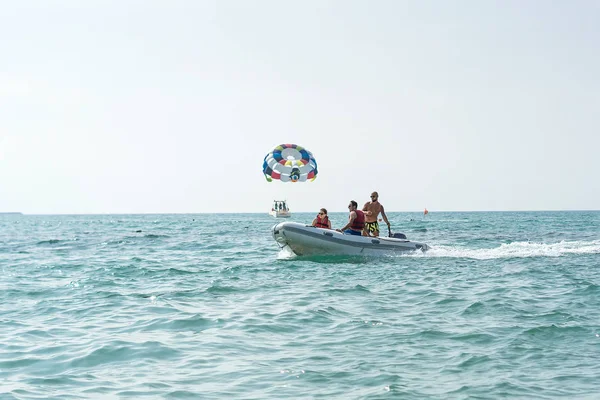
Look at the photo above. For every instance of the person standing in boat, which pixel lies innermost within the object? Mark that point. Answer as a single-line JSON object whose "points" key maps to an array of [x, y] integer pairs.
{"points": [[322, 220], [372, 210], [356, 221]]}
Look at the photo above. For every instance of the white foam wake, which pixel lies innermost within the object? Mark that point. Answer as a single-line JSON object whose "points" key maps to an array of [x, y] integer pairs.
{"points": [[285, 253], [517, 250]]}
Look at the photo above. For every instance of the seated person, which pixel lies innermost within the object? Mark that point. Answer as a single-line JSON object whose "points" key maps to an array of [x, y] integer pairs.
{"points": [[356, 221], [322, 220]]}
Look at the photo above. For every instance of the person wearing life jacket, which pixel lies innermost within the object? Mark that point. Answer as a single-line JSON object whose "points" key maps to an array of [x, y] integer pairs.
{"points": [[322, 220], [356, 221]]}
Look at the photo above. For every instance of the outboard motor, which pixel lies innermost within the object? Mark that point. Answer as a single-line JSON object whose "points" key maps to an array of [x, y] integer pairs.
{"points": [[398, 235]]}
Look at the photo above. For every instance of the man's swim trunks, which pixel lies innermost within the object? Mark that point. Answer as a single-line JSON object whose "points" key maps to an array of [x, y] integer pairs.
{"points": [[351, 232], [372, 227]]}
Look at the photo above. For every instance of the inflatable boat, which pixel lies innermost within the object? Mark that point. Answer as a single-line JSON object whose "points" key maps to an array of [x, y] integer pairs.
{"points": [[308, 240]]}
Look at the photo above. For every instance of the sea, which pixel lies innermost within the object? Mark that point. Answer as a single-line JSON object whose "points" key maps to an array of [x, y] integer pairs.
{"points": [[207, 306]]}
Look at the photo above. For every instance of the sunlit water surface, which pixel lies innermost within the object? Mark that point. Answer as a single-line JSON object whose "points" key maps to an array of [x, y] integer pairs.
{"points": [[205, 306]]}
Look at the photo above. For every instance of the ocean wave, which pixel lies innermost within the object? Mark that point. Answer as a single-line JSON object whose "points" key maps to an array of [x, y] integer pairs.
{"points": [[194, 323], [156, 236], [126, 240], [50, 241], [554, 332], [120, 351], [354, 289]]}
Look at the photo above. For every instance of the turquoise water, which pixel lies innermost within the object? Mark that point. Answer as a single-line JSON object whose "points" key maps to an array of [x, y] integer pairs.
{"points": [[206, 306]]}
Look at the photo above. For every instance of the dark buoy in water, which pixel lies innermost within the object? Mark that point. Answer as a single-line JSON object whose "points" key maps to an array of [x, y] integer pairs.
{"points": [[138, 231]]}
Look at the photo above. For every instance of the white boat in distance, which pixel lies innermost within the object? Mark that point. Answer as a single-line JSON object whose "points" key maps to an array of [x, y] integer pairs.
{"points": [[280, 209], [308, 240]]}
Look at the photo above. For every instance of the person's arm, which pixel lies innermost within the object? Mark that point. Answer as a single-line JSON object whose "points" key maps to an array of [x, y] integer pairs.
{"points": [[385, 218], [366, 209], [328, 223], [314, 223], [350, 220]]}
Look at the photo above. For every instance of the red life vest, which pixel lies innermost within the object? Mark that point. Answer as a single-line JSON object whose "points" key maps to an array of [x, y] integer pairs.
{"points": [[322, 223], [359, 222]]}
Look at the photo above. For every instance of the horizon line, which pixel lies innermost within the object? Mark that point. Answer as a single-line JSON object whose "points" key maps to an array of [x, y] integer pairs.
{"points": [[300, 212]]}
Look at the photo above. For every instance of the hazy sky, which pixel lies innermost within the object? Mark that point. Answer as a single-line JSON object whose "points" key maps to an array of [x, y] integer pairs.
{"points": [[170, 106]]}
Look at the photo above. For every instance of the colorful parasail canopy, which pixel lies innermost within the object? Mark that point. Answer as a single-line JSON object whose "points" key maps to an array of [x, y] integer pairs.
{"points": [[290, 163]]}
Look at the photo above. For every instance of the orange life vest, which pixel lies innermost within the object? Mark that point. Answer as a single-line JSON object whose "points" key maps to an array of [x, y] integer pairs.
{"points": [[359, 222], [322, 223]]}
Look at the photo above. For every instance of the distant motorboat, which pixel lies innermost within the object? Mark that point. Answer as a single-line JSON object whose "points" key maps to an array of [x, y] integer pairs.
{"points": [[280, 213], [280, 209]]}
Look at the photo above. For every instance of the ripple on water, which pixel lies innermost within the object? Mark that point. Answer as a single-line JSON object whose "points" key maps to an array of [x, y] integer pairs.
{"points": [[505, 305]]}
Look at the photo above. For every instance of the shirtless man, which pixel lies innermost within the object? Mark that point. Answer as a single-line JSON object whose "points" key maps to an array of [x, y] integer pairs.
{"points": [[372, 210]]}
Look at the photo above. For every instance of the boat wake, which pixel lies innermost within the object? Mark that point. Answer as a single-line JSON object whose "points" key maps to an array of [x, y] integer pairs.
{"points": [[515, 250], [286, 254]]}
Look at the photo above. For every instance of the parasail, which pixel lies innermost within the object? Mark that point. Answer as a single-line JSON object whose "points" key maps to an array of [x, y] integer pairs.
{"points": [[290, 163]]}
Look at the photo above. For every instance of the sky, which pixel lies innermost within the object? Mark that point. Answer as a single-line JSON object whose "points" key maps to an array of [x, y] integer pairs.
{"points": [[123, 106]]}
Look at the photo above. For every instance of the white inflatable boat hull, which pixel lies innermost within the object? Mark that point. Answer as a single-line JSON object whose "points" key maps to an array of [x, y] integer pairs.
{"points": [[308, 240]]}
